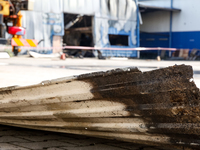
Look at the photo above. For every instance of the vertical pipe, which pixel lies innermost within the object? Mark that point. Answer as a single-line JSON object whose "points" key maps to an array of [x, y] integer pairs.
{"points": [[170, 29], [138, 28], [18, 24]]}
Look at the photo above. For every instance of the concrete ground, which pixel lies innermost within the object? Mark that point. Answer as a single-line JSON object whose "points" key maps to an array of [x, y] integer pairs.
{"points": [[26, 71], [12, 138]]}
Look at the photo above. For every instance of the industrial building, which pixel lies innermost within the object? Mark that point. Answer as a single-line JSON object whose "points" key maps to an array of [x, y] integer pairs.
{"points": [[98, 23], [169, 23], [115, 24]]}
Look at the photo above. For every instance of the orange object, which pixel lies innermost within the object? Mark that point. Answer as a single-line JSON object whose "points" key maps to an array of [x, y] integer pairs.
{"points": [[5, 8], [63, 56], [24, 42], [18, 24], [13, 16]]}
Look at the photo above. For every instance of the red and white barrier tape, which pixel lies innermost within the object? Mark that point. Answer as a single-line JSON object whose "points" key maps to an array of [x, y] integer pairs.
{"points": [[104, 48], [5, 47], [94, 48]]}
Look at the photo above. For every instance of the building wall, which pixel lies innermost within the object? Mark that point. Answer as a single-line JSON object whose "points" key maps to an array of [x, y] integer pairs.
{"points": [[159, 3], [116, 18], [44, 22], [158, 21], [185, 24], [187, 20], [87, 7], [110, 17]]}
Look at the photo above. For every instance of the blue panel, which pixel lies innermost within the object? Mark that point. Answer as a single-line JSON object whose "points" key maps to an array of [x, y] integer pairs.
{"points": [[154, 40], [187, 40], [113, 30], [56, 21], [118, 53], [138, 25]]}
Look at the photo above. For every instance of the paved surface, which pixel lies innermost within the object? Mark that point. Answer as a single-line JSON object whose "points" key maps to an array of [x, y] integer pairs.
{"points": [[12, 138], [26, 71]]}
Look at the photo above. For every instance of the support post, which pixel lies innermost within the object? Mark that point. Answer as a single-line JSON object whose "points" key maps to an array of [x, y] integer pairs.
{"points": [[170, 29], [138, 28]]}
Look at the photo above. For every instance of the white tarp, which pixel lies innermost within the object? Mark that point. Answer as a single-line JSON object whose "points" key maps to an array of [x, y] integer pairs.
{"points": [[33, 21], [48, 6], [158, 3], [86, 7], [122, 15], [37, 28], [36, 23]]}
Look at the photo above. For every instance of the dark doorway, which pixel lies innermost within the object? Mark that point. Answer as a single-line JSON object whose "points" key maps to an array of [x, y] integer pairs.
{"points": [[78, 32], [119, 40]]}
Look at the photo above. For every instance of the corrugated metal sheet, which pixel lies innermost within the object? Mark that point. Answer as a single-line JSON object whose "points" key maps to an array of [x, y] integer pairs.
{"points": [[49, 6], [159, 107], [87, 7], [37, 25], [37, 28], [121, 15]]}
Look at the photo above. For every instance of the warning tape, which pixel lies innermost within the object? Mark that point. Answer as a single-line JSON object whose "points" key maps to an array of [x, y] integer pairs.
{"points": [[104, 48], [94, 48], [5, 47]]}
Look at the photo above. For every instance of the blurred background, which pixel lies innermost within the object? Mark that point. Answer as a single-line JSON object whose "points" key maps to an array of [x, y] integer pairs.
{"points": [[109, 24], [81, 36], [114, 24], [48, 39]]}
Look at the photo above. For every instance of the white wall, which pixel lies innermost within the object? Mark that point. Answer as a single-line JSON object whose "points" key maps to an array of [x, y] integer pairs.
{"points": [[158, 21], [47, 6], [158, 3], [186, 20], [88, 7]]}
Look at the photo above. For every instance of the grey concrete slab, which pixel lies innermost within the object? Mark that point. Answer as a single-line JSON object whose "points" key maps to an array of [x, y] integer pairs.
{"points": [[38, 140], [4, 139], [7, 146], [94, 147], [88, 141], [43, 145], [54, 148], [126, 145], [43, 137]]}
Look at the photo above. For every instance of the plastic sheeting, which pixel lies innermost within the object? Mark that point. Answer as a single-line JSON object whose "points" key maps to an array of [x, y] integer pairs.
{"points": [[120, 14], [48, 6], [40, 28], [45, 21], [157, 3], [86, 7]]}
